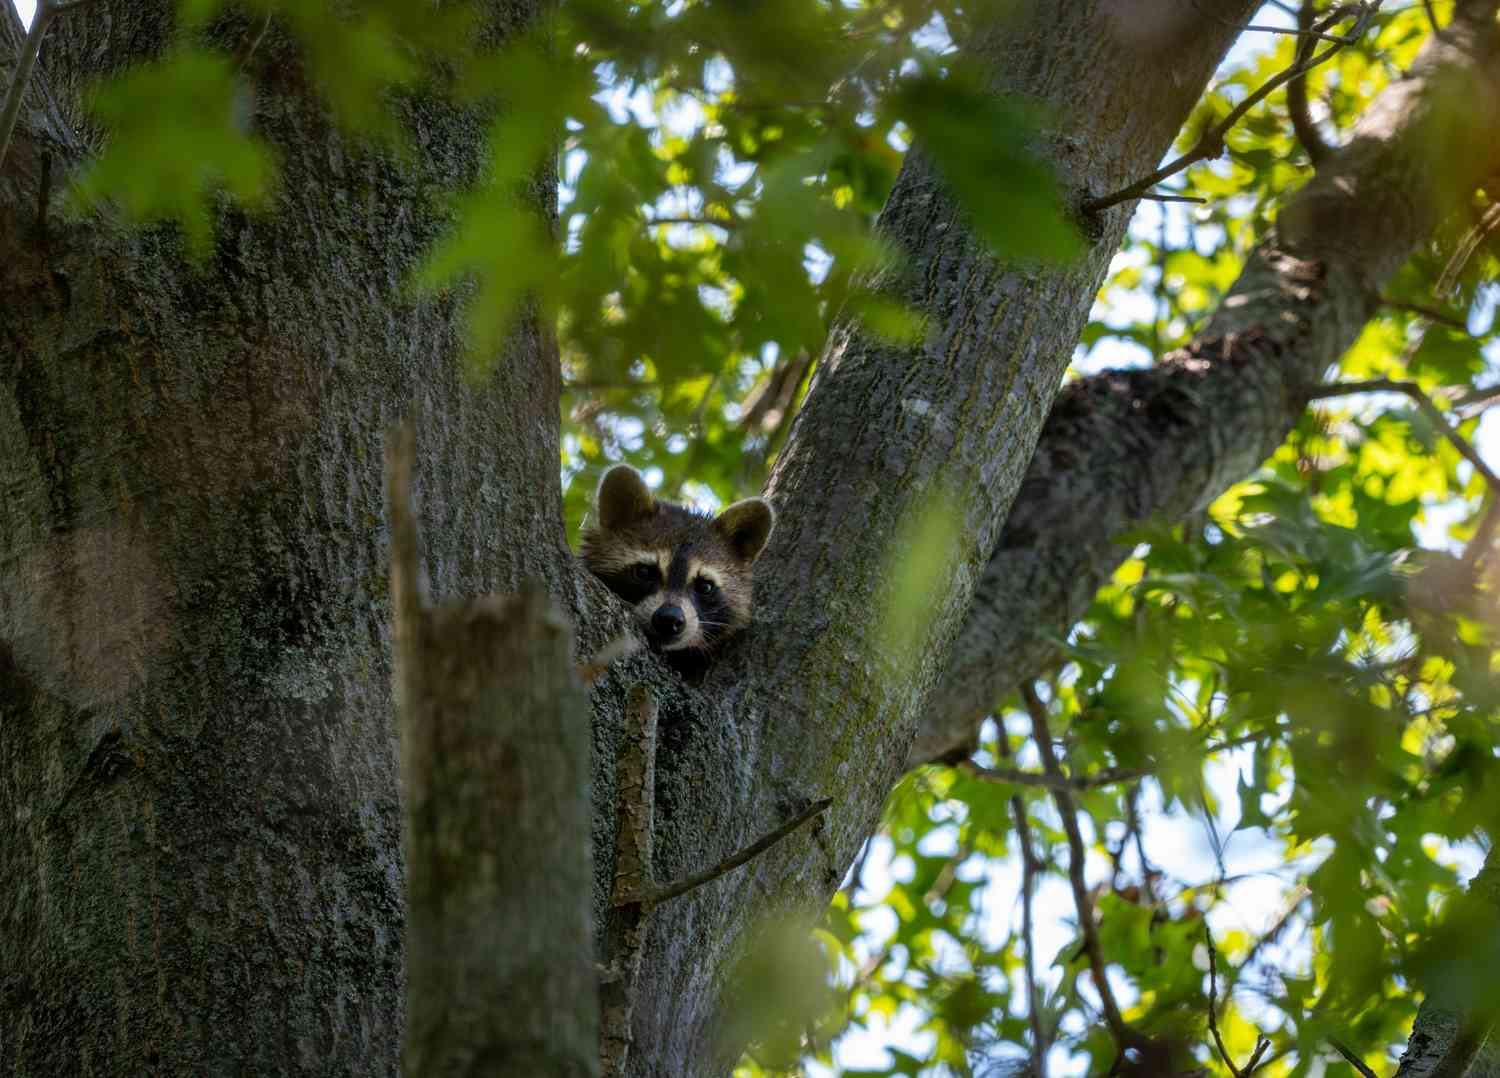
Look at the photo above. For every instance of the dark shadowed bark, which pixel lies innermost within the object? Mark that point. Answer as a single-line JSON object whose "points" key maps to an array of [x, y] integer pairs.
{"points": [[1453, 1035], [1210, 413]]}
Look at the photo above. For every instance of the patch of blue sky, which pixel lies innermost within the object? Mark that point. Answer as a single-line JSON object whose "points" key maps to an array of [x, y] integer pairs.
{"points": [[933, 36], [817, 262], [718, 75]]}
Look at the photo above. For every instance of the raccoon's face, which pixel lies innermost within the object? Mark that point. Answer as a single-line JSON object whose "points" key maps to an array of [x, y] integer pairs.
{"points": [[686, 574]]}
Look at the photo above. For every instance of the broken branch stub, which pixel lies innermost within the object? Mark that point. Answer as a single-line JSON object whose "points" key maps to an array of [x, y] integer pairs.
{"points": [[494, 771]]}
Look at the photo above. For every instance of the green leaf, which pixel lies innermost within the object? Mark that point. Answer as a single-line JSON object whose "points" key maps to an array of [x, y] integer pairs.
{"points": [[980, 145], [179, 137]]}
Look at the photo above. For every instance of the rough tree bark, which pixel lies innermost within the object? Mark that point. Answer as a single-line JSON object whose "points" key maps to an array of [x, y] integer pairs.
{"points": [[197, 733], [1452, 1036], [199, 858]]}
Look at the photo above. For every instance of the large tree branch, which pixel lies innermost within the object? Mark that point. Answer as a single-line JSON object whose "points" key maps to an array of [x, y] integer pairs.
{"points": [[1123, 446], [494, 775]]}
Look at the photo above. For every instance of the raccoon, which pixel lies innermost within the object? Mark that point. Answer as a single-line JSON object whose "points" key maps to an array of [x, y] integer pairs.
{"points": [[686, 573]]}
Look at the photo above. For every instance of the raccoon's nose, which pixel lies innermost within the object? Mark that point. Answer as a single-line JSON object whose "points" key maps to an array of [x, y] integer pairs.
{"points": [[668, 621]]}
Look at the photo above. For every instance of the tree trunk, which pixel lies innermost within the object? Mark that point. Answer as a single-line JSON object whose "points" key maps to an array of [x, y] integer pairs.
{"points": [[200, 858]]}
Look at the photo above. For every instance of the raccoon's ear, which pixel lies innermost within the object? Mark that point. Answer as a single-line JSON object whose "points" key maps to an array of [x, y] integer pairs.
{"points": [[746, 526], [623, 497]]}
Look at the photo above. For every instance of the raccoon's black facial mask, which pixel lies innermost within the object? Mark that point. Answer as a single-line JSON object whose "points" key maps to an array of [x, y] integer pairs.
{"points": [[686, 574]]}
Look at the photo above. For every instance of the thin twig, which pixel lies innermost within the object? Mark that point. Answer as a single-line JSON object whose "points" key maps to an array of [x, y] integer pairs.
{"points": [[768, 406], [1308, 135], [1149, 872], [1213, 1001], [1427, 311], [247, 50], [1265, 28], [1437, 28], [41, 19], [21, 78], [1488, 222], [1467, 404], [947, 876], [1124, 1036], [1424, 402], [1157, 196], [1272, 934], [857, 873], [1483, 539], [1104, 777], [1018, 777], [1349, 1057], [1309, 34], [759, 846], [1029, 869], [1211, 143]]}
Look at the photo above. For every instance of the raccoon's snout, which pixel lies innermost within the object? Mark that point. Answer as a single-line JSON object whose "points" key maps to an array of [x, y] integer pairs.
{"points": [[668, 622]]}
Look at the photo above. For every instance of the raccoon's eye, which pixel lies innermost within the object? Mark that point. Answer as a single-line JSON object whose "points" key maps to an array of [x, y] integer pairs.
{"points": [[704, 586], [645, 572]]}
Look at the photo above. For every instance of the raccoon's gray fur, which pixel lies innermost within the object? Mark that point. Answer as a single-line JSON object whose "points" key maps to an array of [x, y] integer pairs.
{"points": [[686, 574]]}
